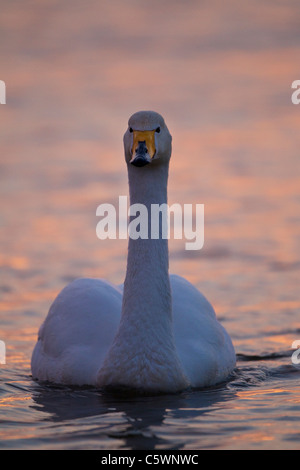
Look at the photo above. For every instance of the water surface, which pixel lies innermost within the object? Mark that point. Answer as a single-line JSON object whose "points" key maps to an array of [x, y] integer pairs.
{"points": [[221, 76]]}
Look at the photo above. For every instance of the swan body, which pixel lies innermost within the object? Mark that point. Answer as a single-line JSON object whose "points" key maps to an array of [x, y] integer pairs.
{"points": [[157, 332]]}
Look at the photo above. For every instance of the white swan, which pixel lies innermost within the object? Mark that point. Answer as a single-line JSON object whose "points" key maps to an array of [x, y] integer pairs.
{"points": [[159, 333]]}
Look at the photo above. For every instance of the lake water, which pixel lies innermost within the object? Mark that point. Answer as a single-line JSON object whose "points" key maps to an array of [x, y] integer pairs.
{"points": [[221, 75]]}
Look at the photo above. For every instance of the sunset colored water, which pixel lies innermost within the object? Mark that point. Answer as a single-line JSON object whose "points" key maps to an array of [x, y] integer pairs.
{"points": [[220, 73]]}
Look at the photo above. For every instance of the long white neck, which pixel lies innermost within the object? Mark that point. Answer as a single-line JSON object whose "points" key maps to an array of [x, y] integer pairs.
{"points": [[147, 292], [143, 354]]}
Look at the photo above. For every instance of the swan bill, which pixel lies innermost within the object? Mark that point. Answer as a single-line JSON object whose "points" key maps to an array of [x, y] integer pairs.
{"points": [[143, 148]]}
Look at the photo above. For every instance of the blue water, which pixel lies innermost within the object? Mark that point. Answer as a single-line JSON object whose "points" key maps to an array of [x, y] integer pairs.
{"points": [[221, 75]]}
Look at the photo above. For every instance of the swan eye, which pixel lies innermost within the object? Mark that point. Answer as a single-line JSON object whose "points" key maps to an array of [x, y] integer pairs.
{"points": [[157, 130], [130, 129]]}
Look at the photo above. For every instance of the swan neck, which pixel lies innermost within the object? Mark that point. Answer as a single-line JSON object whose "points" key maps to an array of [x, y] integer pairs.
{"points": [[147, 286], [143, 354], [148, 185]]}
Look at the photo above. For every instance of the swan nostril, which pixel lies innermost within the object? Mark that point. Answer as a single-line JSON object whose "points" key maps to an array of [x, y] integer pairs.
{"points": [[141, 148]]}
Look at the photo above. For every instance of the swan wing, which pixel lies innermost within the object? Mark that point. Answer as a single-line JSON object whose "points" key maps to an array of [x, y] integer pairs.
{"points": [[77, 333], [203, 345]]}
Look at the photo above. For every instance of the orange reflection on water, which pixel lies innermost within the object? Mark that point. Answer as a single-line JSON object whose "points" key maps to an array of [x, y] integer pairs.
{"points": [[24, 298], [255, 436], [253, 394], [15, 262], [11, 400], [273, 305]]}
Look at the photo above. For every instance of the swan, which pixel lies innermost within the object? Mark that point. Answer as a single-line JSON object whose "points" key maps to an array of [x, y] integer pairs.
{"points": [[157, 333]]}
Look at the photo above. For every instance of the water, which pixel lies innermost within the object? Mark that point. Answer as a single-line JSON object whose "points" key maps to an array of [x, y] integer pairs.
{"points": [[221, 76]]}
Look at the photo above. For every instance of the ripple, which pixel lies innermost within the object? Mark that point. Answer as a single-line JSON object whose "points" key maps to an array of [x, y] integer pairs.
{"points": [[263, 356]]}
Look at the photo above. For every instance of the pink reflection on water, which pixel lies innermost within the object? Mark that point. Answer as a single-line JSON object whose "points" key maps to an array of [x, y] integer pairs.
{"points": [[221, 75]]}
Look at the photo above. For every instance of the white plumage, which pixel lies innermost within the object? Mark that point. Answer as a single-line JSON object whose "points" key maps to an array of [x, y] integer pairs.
{"points": [[158, 333]]}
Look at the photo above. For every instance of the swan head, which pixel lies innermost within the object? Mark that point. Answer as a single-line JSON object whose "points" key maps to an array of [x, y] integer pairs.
{"points": [[147, 139]]}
